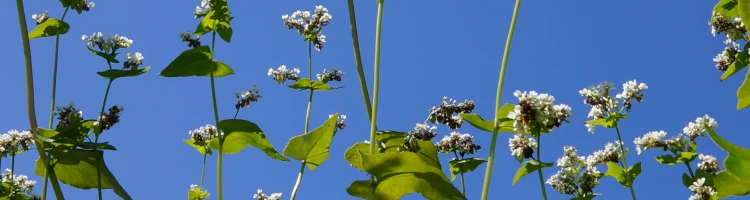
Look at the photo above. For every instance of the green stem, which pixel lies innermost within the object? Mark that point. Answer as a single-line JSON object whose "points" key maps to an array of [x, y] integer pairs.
{"points": [[30, 95], [539, 158], [236, 113], [375, 90], [307, 120], [625, 162], [96, 139], [52, 102], [690, 169], [358, 59], [216, 117], [498, 99], [203, 171], [463, 186]]}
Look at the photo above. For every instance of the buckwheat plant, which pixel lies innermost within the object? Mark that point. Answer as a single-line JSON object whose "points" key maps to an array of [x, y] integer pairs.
{"points": [[726, 19], [15, 186], [683, 150], [460, 145], [309, 25], [607, 111], [578, 175]]}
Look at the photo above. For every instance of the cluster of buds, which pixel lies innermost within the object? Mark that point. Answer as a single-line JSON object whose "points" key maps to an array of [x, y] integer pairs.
{"points": [[203, 9], [309, 24], [262, 196], [245, 97], [14, 140], [67, 115], [204, 133], [576, 176], [457, 143], [282, 74], [612, 152], [40, 18], [538, 108], [110, 118], [109, 45], [340, 125], [603, 105], [421, 132], [734, 29], [522, 147], [193, 42], [701, 191], [333, 75], [448, 112], [19, 183], [655, 139], [134, 60]]}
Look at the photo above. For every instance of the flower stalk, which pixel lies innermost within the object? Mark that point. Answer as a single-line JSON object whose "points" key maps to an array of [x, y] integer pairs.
{"points": [[375, 90]]}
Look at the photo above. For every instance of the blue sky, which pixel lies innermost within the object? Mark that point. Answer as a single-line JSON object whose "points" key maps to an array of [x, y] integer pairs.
{"points": [[429, 50]]}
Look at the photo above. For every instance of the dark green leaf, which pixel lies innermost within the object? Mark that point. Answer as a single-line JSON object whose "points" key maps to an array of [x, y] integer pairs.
{"points": [[242, 133], [94, 146], [392, 140], [197, 194], [402, 173], [506, 125], [50, 27], [728, 185], [743, 93], [312, 147], [77, 168], [743, 10], [683, 157], [360, 188], [738, 160], [225, 31], [686, 180], [196, 62], [666, 159], [120, 73], [201, 147], [306, 84], [108, 57], [464, 166], [527, 168], [727, 8]]}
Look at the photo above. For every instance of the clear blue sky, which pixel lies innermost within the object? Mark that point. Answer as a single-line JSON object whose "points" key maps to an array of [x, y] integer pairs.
{"points": [[429, 50]]}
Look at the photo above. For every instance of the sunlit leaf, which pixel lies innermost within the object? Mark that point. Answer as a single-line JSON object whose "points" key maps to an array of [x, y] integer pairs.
{"points": [[529, 167], [738, 160], [200, 147], [50, 27], [197, 194], [743, 93], [196, 62], [306, 84], [617, 172], [77, 168], [727, 8], [239, 134], [312, 148], [728, 185], [464, 166]]}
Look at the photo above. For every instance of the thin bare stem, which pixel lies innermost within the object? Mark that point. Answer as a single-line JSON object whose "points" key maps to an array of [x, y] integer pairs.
{"points": [[375, 91]]}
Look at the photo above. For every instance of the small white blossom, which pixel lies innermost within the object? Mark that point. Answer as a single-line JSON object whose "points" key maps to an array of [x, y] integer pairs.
{"points": [[120, 41], [697, 128], [649, 140], [134, 60], [20, 182], [40, 18], [203, 9], [261, 196], [708, 163], [457, 142], [612, 152], [205, 133], [576, 174], [522, 146], [701, 191], [282, 74], [548, 115], [631, 89]]}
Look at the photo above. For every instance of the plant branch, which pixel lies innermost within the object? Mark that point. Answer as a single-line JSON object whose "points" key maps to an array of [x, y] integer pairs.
{"points": [[307, 119], [460, 170], [216, 117], [539, 157], [375, 88]]}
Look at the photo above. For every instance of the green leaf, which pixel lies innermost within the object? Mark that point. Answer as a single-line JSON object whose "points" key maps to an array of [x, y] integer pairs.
{"points": [[196, 62], [527, 168], [587, 197], [216, 20], [242, 133], [197, 194], [201, 147], [77, 168], [50, 27], [686, 180], [683, 157], [727, 8], [306, 84], [225, 31], [739, 63], [120, 73], [109, 57], [744, 10], [738, 160], [360, 188], [617, 172], [94, 146], [312, 147], [392, 140], [464, 166], [402, 173], [666, 159], [728, 185], [743, 93], [693, 146], [634, 171], [506, 125], [352, 154]]}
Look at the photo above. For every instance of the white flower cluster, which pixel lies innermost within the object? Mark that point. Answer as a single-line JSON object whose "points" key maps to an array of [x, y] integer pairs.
{"points": [[734, 29], [261, 196], [282, 74], [134, 60], [631, 90], [13, 140], [702, 192], [333, 75], [422, 132], [204, 133], [21, 183], [650, 140], [457, 142], [603, 105], [40, 18], [708, 163], [203, 9], [522, 146], [697, 128], [612, 152], [113, 42], [307, 23], [537, 107], [340, 121], [577, 176]]}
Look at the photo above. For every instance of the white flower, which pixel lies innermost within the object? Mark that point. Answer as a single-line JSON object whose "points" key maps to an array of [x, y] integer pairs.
{"points": [[547, 114], [521, 146], [203, 9], [631, 89], [457, 142], [40, 18], [612, 152], [575, 172], [120, 41], [649, 140], [708, 163], [701, 192], [205, 133], [697, 128], [21, 182], [136, 58], [261, 196], [282, 74]]}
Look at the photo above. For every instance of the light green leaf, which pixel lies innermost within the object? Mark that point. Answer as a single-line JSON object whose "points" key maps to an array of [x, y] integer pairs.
{"points": [[239, 134], [527, 168], [743, 93], [392, 140], [108, 57], [740, 62], [727, 8], [743, 10], [587, 197], [506, 125], [312, 147], [683, 157], [306, 84], [728, 185], [693, 146], [738, 160], [197, 194], [201, 147], [77, 168], [216, 20], [120, 73], [666, 159], [402, 173], [196, 62], [360, 188], [464, 166], [615, 171], [352, 154], [634, 171], [50, 27]]}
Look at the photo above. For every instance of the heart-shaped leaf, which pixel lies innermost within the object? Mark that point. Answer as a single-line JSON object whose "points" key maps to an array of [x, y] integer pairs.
{"points": [[464, 166], [200, 147], [196, 62], [728, 185], [77, 168], [506, 125], [529, 167], [391, 141], [738, 160], [50, 27], [306, 84], [242, 133], [312, 147]]}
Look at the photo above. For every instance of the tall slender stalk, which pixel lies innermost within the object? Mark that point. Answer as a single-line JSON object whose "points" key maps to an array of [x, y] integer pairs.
{"points": [[52, 101], [460, 170], [625, 162], [101, 113], [539, 158], [30, 95], [375, 91], [358, 59], [498, 99], [216, 118], [307, 120]]}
